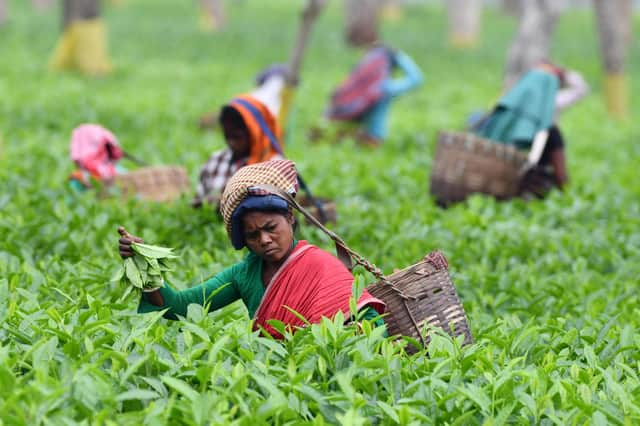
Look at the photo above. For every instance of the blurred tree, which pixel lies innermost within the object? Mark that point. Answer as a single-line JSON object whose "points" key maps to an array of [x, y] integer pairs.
{"points": [[211, 15], [277, 83], [511, 7], [83, 44], [42, 4], [627, 20], [532, 43], [392, 10], [361, 21], [4, 12], [464, 22], [309, 15], [614, 30]]}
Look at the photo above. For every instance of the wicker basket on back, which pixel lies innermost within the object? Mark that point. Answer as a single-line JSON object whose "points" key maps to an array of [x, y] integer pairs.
{"points": [[465, 163], [418, 297], [154, 183]]}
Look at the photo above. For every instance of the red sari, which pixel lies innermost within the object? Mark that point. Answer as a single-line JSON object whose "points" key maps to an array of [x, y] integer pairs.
{"points": [[312, 283]]}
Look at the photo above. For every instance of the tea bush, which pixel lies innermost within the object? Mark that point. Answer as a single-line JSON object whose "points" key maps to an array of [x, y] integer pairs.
{"points": [[550, 287]]}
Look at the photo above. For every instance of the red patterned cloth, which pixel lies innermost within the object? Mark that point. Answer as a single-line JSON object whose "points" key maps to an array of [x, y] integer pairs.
{"points": [[363, 87], [312, 283]]}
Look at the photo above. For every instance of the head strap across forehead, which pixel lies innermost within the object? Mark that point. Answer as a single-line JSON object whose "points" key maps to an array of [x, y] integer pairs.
{"points": [[281, 174]]}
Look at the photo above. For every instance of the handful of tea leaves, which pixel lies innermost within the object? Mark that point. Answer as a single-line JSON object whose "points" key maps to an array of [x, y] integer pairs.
{"points": [[144, 270]]}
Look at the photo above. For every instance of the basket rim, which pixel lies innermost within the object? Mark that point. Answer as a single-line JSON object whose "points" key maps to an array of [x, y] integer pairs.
{"points": [[398, 273]]}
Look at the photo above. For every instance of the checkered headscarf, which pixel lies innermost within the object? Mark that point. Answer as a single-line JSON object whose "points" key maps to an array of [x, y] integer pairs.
{"points": [[279, 173]]}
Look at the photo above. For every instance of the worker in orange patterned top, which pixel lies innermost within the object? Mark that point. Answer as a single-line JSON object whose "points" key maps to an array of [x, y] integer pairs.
{"points": [[252, 135]]}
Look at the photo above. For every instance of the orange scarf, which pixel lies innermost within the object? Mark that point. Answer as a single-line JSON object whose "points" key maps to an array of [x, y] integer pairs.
{"points": [[312, 283], [261, 146]]}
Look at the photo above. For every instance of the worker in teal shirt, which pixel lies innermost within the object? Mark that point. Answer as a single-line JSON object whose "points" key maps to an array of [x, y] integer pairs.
{"points": [[530, 110]]}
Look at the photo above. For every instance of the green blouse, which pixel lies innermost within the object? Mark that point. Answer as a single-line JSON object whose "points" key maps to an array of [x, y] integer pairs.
{"points": [[240, 281]]}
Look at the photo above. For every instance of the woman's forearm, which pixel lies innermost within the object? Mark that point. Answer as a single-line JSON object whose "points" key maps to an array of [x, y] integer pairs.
{"points": [[412, 76], [576, 89]]}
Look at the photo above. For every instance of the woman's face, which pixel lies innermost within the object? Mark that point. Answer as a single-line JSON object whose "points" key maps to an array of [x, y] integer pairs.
{"points": [[237, 139], [269, 235]]}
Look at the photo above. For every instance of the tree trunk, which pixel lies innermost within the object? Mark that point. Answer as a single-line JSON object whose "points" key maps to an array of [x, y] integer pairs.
{"points": [[79, 10], [392, 10], [4, 12], [42, 4], [532, 42], [83, 44], [212, 15], [309, 16], [361, 21], [511, 7], [464, 22], [610, 19], [627, 20]]}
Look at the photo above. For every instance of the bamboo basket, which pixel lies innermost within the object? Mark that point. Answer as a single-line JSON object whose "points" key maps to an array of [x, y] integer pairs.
{"points": [[421, 296], [465, 164], [154, 183]]}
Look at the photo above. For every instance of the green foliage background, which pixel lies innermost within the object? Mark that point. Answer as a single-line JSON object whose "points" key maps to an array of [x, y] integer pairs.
{"points": [[550, 287]]}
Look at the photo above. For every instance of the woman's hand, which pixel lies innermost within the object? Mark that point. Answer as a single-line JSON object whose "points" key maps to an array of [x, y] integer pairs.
{"points": [[124, 246]]}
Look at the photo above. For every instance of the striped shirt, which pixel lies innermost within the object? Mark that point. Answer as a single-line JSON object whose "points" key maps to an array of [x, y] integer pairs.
{"points": [[214, 176]]}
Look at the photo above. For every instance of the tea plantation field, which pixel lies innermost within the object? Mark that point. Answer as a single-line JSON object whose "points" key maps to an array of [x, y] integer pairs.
{"points": [[551, 288]]}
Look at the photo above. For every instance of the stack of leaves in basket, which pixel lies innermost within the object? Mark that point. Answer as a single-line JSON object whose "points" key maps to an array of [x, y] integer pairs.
{"points": [[144, 270]]}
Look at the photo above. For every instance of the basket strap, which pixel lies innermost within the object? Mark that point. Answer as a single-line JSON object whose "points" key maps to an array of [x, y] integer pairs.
{"points": [[135, 159], [345, 254]]}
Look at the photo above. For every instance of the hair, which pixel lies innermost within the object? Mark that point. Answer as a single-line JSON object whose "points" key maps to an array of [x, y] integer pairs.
{"points": [[109, 147], [229, 114]]}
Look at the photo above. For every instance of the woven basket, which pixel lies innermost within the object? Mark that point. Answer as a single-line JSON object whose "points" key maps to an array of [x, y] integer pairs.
{"points": [[420, 296], [154, 183], [328, 208], [465, 164]]}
